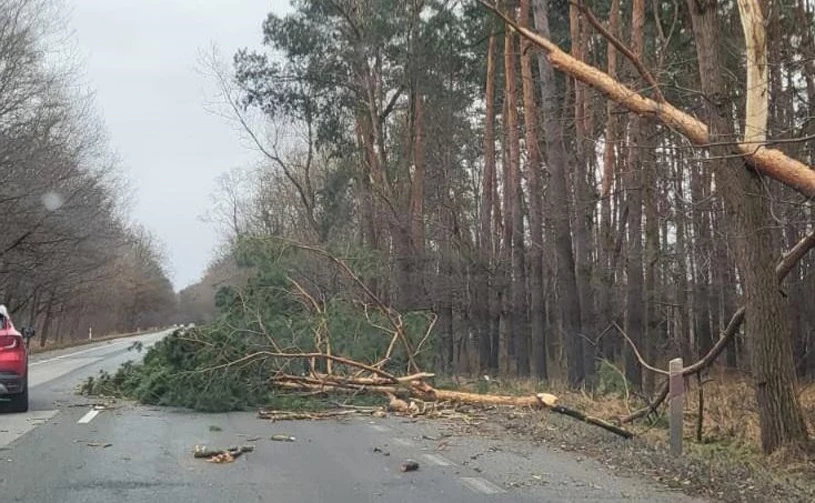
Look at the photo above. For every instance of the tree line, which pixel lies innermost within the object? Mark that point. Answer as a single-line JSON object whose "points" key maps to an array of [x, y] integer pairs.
{"points": [[546, 225], [70, 260]]}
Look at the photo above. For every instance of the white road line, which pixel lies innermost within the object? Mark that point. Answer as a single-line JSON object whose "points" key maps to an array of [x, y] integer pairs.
{"points": [[436, 460], [87, 418], [482, 486], [380, 428], [62, 357], [403, 442]]}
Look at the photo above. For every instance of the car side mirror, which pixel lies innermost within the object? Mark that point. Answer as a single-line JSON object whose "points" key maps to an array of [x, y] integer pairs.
{"points": [[28, 332]]}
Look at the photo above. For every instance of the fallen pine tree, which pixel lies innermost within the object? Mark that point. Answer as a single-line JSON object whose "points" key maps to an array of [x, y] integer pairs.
{"points": [[421, 390], [283, 346]]}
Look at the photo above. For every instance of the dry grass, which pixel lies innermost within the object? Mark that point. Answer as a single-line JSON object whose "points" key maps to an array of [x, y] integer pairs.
{"points": [[727, 465], [730, 409]]}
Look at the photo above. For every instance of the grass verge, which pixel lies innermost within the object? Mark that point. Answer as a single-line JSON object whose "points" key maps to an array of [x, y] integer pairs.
{"points": [[725, 464]]}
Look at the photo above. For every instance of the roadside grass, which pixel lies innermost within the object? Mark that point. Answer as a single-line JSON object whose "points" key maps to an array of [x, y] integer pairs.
{"points": [[730, 410], [730, 441]]}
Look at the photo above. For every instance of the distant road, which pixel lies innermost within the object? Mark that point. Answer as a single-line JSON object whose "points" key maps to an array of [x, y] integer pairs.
{"points": [[65, 452]]}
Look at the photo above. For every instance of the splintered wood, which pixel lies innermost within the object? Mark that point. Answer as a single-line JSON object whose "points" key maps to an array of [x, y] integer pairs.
{"points": [[282, 415], [220, 455]]}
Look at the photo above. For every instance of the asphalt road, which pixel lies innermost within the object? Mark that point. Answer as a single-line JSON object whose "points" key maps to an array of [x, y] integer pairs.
{"points": [[65, 452]]}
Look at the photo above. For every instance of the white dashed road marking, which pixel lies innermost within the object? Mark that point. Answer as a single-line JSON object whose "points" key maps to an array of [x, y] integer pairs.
{"points": [[380, 428], [87, 418], [436, 460], [403, 442], [482, 486]]}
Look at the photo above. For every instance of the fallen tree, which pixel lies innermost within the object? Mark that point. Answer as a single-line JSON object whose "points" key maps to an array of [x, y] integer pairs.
{"points": [[277, 348], [416, 387]]}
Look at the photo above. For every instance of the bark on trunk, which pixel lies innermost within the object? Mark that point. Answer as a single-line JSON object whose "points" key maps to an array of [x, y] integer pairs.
{"points": [[537, 308], [558, 193], [484, 287], [635, 307], [517, 342], [584, 202], [766, 311], [700, 191], [682, 335], [609, 161]]}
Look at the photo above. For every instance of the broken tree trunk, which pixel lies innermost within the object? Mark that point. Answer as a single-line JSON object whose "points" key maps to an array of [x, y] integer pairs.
{"points": [[770, 162], [420, 390]]}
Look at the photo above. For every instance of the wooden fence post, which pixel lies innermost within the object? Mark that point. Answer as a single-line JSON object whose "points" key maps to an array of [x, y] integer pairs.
{"points": [[676, 396]]}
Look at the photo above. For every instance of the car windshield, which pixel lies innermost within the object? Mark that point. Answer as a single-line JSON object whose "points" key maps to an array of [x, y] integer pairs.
{"points": [[407, 251]]}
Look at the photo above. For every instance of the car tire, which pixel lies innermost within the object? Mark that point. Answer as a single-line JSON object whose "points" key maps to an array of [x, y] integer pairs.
{"points": [[19, 402]]}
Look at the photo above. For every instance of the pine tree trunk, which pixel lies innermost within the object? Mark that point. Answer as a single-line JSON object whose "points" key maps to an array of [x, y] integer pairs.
{"points": [[609, 161], [558, 193], [700, 191], [537, 308], [682, 335], [584, 202], [651, 325], [767, 312], [483, 292], [635, 306], [518, 336]]}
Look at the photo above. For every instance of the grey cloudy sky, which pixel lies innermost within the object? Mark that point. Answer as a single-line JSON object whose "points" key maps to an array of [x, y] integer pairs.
{"points": [[142, 57]]}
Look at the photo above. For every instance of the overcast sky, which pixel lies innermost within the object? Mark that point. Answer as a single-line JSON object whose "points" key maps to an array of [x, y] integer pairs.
{"points": [[142, 59]]}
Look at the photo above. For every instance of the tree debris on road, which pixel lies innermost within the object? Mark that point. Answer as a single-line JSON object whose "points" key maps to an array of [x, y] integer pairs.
{"points": [[409, 466], [220, 455], [282, 415], [103, 445]]}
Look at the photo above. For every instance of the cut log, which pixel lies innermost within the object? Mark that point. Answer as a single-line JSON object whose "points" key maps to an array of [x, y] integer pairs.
{"points": [[537, 401], [421, 391]]}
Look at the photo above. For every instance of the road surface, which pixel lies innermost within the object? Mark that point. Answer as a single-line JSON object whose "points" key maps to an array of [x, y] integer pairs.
{"points": [[65, 452]]}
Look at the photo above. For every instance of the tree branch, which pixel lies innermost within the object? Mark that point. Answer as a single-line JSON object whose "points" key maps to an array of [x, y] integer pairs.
{"points": [[620, 46], [782, 269]]}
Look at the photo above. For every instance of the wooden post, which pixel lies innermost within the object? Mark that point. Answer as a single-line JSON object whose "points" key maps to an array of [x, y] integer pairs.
{"points": [[676, 395]]}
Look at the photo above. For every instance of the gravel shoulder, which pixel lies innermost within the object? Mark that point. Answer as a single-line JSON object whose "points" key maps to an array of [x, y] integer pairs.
{"points": [[714, 473]]}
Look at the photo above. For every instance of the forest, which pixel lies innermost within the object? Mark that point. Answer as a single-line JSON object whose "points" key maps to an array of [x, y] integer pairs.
{"points": [[70, 258], [552, 187]]}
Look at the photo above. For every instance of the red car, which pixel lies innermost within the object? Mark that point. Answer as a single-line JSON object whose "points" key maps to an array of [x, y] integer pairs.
{"points": [[13, 364]]}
